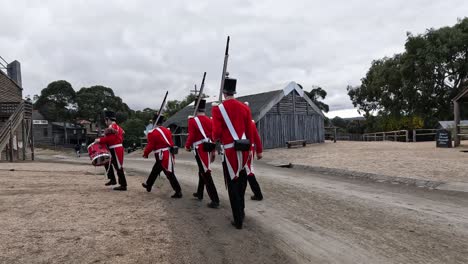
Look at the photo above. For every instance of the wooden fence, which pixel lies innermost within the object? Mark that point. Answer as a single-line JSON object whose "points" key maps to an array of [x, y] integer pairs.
{"points": [[389, 135]]}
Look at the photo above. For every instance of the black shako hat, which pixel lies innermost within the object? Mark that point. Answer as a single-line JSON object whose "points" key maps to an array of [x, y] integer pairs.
{"points": [[110, 115], [160, 120], [229, 86], [202, 106]]}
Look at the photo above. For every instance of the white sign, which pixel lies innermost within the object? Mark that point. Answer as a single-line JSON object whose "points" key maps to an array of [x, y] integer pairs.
{"points": [[40, 122]]}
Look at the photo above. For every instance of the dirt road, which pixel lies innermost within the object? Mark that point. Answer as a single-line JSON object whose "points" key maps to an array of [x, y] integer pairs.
{"points": [[305, 218]]}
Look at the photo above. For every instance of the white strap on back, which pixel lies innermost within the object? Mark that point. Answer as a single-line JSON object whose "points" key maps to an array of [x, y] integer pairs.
{"points": [[200, 127], [228, 122], [164, 136]]}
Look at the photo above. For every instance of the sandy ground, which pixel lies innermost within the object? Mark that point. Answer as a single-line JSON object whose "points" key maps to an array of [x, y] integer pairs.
{"points": [[421, 160], [59, 213], [63, 213]]}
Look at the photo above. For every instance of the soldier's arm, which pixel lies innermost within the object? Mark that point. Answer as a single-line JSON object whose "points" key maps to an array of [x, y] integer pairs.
{"points": [[248, 125], [217, 121], [191, 134], [148, 147], [257, 140]]}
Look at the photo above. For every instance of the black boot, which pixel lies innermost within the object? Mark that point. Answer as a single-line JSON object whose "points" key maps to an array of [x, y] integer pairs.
{"points": [[177, 195], [111, 182], [236, 225], [213, 205], [120, 188], [197, 196], [146, 186], [256, 198]]}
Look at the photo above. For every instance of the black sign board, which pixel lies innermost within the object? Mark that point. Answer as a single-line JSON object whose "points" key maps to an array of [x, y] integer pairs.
{"points": [[443, 139]]}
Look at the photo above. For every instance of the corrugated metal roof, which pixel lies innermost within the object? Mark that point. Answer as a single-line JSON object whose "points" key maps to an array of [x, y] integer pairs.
{"points": [[259, 104], [451, 123], [256, 103]]}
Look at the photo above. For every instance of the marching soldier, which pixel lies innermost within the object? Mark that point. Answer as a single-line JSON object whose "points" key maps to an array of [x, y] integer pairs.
{"points": [[160, 142], [256, 148], [199, 141], [113, 138], [232, 126]]}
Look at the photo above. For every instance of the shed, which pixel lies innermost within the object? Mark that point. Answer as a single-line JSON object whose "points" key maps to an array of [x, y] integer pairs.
{"points": [[280, 115], [459, 100]]}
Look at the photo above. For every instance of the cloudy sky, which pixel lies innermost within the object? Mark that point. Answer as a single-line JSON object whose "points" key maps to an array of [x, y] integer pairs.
{"points": [[142, 48]]}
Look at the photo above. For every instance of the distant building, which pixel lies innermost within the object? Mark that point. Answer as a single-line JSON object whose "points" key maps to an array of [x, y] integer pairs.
{"points": [[281, 115], [53, 133]]}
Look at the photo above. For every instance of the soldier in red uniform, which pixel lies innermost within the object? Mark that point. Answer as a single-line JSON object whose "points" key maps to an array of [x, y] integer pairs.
{"points": [[160, 142], [113, 138], [232, 126], [256, 148], [199, 141]]}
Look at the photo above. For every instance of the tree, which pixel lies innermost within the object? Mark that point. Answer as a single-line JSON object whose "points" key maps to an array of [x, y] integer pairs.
{"points": [[93, 100], [317, 94], [339, 122], [420, 82], [57, 102], [175, 106], [133, 128]]}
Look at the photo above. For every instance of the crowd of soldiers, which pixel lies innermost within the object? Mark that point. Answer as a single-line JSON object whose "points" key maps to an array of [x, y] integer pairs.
{"points": [[231, 125]]}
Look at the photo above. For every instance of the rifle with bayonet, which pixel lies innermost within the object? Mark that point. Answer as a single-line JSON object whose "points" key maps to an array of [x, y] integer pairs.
{"points": [[160, 109], [223, 76], [200, 94]]}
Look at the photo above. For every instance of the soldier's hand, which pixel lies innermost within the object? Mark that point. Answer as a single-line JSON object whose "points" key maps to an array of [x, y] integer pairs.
{"points": [[145, 156], [188, 149], [96, 140], [259, 156]]}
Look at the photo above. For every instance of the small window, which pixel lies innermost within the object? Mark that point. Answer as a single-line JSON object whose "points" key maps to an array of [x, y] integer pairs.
{"points": [[45, 132]]}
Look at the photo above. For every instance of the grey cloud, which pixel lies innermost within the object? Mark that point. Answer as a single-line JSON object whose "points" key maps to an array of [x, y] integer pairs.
{"points": [[143, 48]]}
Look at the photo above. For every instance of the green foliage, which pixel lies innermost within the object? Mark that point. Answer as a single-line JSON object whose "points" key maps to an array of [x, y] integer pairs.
{"points": [[144, 115], [419, 83], [317, 94], [174, 106], [134, 128], [57, 101], [391, 123], [93, 100], [339, 122]]}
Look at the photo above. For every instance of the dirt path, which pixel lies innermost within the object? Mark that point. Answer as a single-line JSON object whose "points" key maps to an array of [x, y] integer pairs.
{"points": [[305, 218]]}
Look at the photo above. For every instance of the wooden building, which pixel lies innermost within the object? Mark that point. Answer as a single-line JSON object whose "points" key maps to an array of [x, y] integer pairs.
{"points": [[281, 115], [15, 115], [461, 131], [48, 133]]}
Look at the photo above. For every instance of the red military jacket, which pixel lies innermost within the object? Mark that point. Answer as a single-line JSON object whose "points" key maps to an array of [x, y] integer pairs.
{"points": [[257, 146], [241, 119], [194, 132], [156, 141], [113, 135]]}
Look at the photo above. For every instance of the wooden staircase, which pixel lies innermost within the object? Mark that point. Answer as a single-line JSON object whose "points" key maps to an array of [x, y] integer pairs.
{"points": [[21, 116]]}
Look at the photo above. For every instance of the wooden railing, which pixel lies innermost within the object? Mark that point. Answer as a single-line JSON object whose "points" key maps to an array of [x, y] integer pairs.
{"points": [[13, 122], [389, 135]]}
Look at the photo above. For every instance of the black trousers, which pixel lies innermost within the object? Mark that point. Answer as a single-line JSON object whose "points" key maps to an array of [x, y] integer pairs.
{"points": [[205, 179], [114, 165], [255, 186], [157, 168], [236, 190]]}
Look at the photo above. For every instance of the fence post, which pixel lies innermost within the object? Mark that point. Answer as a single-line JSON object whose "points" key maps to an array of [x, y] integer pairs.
{"points": [[407, 135], [414, 135]]}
